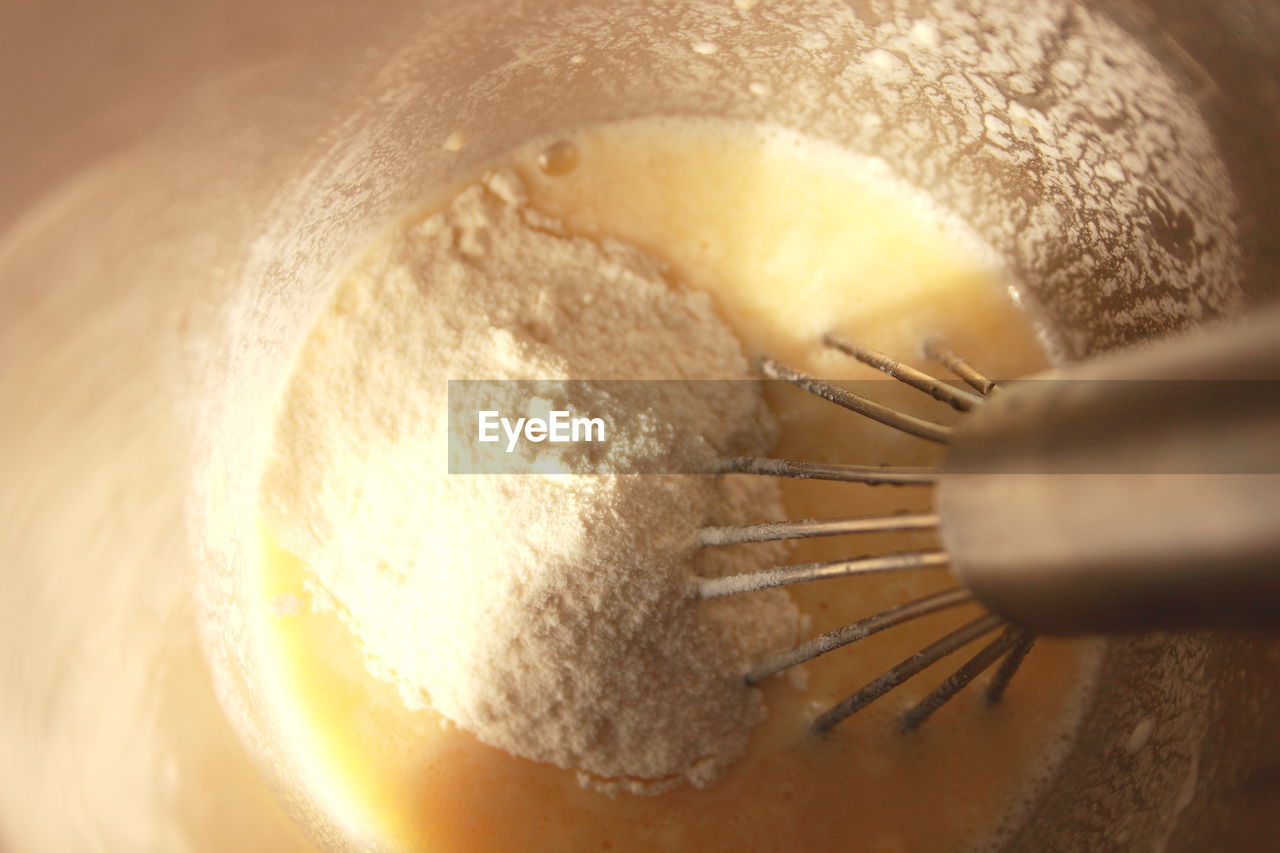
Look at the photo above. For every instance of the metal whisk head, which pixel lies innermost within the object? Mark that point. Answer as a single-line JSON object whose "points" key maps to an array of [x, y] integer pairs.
{"points": [[1009, 648]]}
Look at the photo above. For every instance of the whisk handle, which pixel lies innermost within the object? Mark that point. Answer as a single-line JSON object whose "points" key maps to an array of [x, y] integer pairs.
{"points": [[1135, 491]]}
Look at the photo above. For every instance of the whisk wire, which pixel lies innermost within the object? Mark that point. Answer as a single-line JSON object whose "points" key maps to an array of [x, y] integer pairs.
{"points": [[1009, 667], [772, 531], [944, 355], [863, 628], [1009, 649], [717, 587], [870, 474], [958, 680], [958, 398], [912, 666], [901, 421]]}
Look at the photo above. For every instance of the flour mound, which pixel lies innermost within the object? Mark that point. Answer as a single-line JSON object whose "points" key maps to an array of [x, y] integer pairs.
{"points": [[551, 616]]}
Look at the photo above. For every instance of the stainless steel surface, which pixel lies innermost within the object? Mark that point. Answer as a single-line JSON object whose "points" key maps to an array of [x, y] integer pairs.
{"points": [[958, 398], [771, 531], [873, 474], [855, 631], [1128, 493], [1008, 645], [717, 587], [909, 424], [913, 665], [140, 176], [1133, 492]]}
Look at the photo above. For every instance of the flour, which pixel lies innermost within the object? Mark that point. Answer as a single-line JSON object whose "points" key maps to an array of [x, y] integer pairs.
{"points": [[550, 616]]}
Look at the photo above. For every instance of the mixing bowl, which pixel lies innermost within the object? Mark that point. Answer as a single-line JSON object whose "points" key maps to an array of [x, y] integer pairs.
{"points": [[183, 183]]}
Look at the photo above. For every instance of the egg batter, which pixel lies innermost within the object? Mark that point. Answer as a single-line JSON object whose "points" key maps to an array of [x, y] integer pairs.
{"points": [[791, 237]]}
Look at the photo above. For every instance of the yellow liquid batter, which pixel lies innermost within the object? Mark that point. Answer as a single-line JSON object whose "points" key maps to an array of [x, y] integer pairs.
{"points": [[792, 237]]}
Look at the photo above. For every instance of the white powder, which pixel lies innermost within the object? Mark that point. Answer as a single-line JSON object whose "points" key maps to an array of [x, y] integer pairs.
{"points": [[550, 616]]}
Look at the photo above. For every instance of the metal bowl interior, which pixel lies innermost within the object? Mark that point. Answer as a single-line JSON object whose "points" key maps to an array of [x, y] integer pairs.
{"points": [[175, 268]]}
